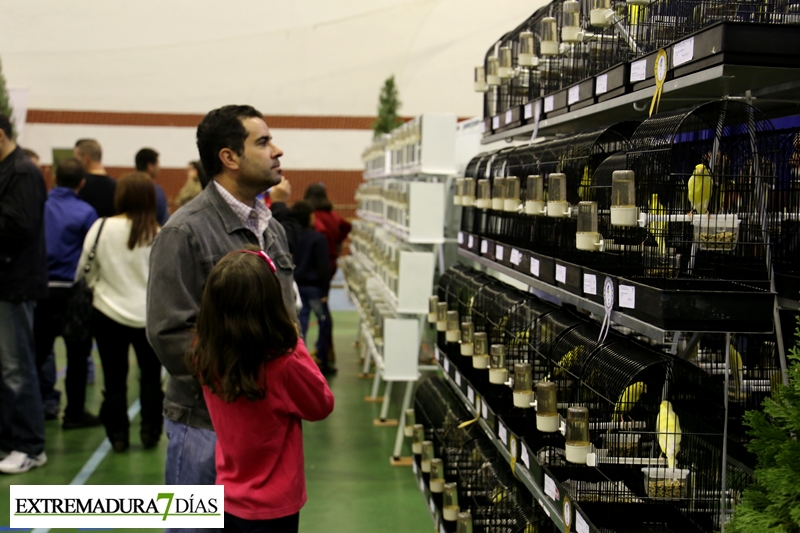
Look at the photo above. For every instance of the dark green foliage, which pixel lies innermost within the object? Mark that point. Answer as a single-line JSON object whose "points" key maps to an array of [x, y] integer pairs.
{"points": [[388, 106], [772, 504], [5, 102]]}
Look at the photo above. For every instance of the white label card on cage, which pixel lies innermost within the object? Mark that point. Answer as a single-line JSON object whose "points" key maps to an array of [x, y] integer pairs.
{"points": [[561, 273], [601, 85], [460, 237], [483, 127], [509, 117], [590, 284], [639, 70], [470, 395], [470, 241], [498, 252], [484, 246], [458, 378], [549, 103], [580, 524], [529, 110], [535, 267], [432, 506], [627, 296], [495, 122], [683, 52], [502, 434], [484, 411], [414, 468], [436, 354], [512, 447], [574, 94], [446, 363], [550, 488], [516, 257], [523, 456]]}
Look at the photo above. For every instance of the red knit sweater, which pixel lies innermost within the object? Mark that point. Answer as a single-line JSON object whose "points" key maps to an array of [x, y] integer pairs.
{"points": [[259, 452]]}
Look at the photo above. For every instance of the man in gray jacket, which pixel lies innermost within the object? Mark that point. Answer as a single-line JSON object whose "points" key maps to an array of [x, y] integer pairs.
{"points": [[236, 149]]}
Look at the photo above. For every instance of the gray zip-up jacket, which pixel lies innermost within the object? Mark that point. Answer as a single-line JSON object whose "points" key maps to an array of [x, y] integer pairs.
{"points": [[194, 239]]}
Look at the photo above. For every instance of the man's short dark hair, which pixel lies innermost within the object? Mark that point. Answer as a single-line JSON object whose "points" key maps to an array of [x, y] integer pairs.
{"points": [[302, 211], [91, 148], [69, 173], [223, 128], [6, 126], [144, 157]]}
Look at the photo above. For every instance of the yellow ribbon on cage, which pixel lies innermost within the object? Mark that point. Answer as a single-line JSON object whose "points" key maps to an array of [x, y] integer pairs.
{"points": [[462, 425], [661, 68]]}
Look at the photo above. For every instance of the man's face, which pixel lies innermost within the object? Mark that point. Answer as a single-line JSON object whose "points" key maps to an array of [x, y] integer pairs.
{"points": [[259, 166], [154, 168]]}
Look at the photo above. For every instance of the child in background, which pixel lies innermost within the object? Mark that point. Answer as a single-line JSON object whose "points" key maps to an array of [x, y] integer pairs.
{"points": [[312, 273], [259, 382]]}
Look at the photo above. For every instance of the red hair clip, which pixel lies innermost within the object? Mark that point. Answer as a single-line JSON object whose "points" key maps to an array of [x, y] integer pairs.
{"points": [[263, 255]]}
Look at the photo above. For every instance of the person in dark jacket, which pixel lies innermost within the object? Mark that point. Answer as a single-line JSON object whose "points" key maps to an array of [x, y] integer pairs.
{"points": [[147, 161], [100, 187], [312, 274], [279, 195], [23, 281]]}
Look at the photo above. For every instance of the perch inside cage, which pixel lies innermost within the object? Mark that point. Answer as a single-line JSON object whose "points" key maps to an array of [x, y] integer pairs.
{"points": [[534, 196], [549, 43], [587, 237], [408, 429], [453, 330], [498, 193], [480, 80], [578, 445], [498, 373], [504, 68], [527, 54], [546, 407], [492, 68], [467, 338], [441, 316], [557, 203], [523, 385], [623, 199], [468, 192], [484, 199], [571, 21], [480, 357], [601, 13]]}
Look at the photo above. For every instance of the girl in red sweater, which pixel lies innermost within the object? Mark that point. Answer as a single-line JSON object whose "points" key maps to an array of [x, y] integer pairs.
{"points": [[259, 382]]}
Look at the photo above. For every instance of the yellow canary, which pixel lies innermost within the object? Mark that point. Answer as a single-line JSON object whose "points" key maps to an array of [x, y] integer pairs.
{"points": [[737, 371], [700, 188], [659, 227], [669, 432], [584, 190], [567, 362], [627, 400]]}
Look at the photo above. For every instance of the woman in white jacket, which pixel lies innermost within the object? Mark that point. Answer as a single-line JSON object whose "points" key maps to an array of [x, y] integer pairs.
{"points": [[118, 276]]}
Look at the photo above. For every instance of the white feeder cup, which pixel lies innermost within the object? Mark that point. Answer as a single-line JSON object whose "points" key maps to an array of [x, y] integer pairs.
{"points": [[534, 196], [459, 193], [436, 482], [468, 192], [523, 385], [587, 237], [453, 332], [426, 456], [600, 13], [512, 202], [419, 438], [484, 198], [498, 373], [571, 21], [492, 68], [480, 80], [467, 338], [623, 199], [549, 43], [527, 53], [450, 507], [480, 356], [433, 303], [546, 407], [504, 69], [498, 193], [464, 522], [578, 445], [408, 428], [557, 204], [441, 316]]}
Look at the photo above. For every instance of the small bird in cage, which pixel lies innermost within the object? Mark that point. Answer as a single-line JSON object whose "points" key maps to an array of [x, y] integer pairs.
{"points": [[627, 400], [700, 187], [567, 362], [669, 432], [737, 371]]}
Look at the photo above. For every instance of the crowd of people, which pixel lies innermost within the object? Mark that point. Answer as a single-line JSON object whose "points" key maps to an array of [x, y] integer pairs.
{"points": [[220, 293]]}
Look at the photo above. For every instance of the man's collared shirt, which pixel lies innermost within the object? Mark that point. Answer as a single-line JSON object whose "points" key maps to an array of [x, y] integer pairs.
{"points": [[256, 218]]}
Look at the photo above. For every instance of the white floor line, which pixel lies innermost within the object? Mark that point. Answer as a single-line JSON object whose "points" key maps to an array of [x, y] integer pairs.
{"points": [[96, 458]]}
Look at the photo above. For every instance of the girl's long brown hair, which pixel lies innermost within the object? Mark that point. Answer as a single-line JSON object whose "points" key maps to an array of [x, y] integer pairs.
{"points": [[136, 198], [242, 324]]}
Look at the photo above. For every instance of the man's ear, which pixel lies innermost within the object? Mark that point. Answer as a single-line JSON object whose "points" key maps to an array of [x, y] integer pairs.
{"points": [[229, 159]]}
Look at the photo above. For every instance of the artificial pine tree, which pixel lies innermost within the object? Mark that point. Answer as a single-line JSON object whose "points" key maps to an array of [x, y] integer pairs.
{"points": [[388, 106], [5, 101], [772, 503]]}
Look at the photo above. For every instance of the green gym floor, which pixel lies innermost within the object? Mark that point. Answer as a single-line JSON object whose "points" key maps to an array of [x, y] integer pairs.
{"points": [[351, 486]]}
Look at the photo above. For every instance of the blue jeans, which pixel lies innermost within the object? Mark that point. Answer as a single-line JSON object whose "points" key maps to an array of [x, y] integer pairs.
{"points": [[21, 411], [312, 301], [190, 458]]}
